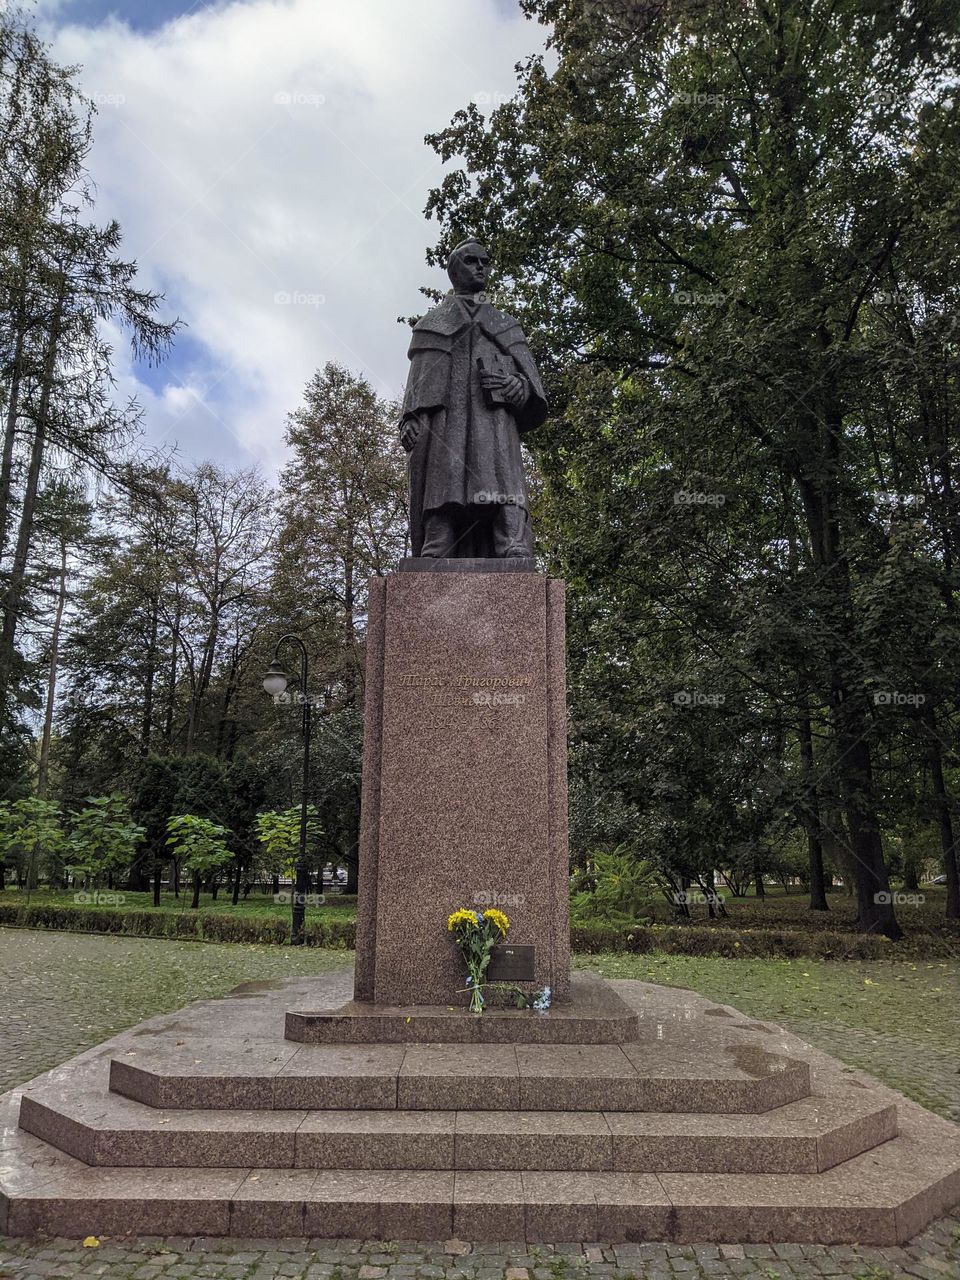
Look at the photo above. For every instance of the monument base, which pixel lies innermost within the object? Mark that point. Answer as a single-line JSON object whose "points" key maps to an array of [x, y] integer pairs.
{"points": [[464, 801], [710, 1126], [475, 564], [593, 1014]]}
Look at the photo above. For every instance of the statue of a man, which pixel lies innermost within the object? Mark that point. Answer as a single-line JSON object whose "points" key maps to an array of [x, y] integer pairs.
{"points": [[473, 391]]}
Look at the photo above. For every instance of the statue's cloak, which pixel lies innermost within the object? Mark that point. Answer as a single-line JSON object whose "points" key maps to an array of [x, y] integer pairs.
{"points": [[467, 452]]}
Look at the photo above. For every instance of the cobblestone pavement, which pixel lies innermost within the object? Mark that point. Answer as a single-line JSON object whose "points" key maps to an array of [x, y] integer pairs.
{"points": [[894, 1019], [928, 1074], [65, 992], [935, 1255]]}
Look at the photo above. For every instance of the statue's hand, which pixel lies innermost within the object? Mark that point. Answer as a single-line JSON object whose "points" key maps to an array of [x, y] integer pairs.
{"points": [[515, 390], [410, 432], [509, 387]]}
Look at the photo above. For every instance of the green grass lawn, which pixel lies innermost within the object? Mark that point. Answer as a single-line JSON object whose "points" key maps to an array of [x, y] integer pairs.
{"points": [[780, 910], [895, 1019]]}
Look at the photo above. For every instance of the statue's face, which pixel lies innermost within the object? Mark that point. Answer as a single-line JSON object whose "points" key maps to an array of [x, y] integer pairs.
{"points": [[470, 269]]}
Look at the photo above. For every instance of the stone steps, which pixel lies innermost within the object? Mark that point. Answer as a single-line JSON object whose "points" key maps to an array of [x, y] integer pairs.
{"points": [[592, 1014], [217, 1075], [807, 1136], [708, 1126], [879, 1198]]}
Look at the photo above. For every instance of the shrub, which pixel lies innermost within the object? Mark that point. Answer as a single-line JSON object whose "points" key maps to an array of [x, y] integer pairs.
{"points": [[591, 938], [734, 943]]}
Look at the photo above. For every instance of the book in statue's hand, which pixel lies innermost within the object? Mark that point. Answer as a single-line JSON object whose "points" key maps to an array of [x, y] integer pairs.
{"points": [[493, 397]]}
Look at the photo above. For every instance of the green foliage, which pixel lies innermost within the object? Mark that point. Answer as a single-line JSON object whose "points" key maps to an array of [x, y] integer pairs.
{"points": [[198, 842], [596, 938], [31, 833], [620, 884], [103, 838], [717, 230], [279, 838]]}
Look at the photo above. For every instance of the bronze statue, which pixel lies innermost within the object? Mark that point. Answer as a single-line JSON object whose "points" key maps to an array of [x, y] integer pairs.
{"points": [[473, 391]]}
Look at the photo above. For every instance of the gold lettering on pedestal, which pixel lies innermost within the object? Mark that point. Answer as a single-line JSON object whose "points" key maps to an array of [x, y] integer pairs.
{"points": [[461, 680], [445, 696]]}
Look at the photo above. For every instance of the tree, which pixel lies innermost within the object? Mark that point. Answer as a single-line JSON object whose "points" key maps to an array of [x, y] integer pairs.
{"points": [[279, 837], [64, 518], [31, 835], [103, 838], [60, 278], [712, 219], [343, 517], [200, 845]]}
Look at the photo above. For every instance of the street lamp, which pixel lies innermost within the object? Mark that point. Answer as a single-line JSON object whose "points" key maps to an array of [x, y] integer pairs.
{"points": [[275, 683]]}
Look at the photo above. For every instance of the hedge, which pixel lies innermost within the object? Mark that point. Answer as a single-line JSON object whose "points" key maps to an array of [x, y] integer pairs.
{"points": [[591, 939], [693, 940], [192, 926]]}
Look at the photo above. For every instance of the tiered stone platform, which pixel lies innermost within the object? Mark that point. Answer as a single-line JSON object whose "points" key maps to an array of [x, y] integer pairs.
{"points": [[688, 1122]]}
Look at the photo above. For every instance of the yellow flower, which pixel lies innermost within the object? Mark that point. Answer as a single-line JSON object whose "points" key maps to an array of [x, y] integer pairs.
{"points": [[461, 917], [499, 919]]}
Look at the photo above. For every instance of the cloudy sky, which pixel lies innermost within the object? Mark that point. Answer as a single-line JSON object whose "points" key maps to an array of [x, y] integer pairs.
{"points": [[265, 159]]}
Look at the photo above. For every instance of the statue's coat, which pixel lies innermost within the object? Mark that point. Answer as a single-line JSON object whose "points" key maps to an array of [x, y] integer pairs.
{"points": [[466, 450]]}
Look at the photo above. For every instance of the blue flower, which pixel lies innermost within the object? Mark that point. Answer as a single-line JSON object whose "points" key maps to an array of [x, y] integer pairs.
{"points": [[542, 1001]]}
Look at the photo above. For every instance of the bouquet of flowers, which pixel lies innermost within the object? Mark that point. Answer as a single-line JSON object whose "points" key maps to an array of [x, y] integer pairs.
{"points": [[476, 933]]}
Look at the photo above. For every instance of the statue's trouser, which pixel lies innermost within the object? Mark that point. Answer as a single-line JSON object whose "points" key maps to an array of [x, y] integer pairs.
{"points": [[491, 529]]}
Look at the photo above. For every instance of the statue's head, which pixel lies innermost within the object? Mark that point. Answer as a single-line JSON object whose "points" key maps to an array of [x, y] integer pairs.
{"points": [[468, 267]]}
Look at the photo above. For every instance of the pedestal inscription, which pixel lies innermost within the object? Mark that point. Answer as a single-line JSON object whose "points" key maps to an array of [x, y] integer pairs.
{"points": [[464, 784]]}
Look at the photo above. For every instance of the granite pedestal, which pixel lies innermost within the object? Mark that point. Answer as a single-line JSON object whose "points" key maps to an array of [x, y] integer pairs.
{"points": [[708, 1127], [464, 777]]}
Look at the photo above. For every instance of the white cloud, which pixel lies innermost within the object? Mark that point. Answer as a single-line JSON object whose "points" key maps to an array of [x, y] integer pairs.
{"points": [[275, 148]]}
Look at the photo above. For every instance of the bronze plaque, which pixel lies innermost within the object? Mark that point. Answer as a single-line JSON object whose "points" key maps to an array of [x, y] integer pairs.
{"points": [[512, 963]]}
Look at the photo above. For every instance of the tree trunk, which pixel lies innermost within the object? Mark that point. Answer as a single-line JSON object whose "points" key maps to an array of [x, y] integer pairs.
{"points": [[237, 876], [196, 891], [203, 676], [352, 867], [10, 435], [811, 817], [849, 718], [229, 685], [13, 602], [157, 877], [910, 879], [146, 720], [172, 673], [874, 902], [44, 764], [942, 807]]}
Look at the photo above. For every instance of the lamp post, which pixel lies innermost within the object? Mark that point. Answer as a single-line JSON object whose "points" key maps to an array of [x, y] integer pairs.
{"points": [[275, 683]]}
